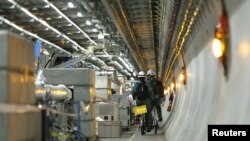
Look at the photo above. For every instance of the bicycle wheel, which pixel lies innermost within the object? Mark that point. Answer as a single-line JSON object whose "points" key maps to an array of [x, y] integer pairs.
{"points": [[156, 128], [142, 130], [156, 125], [142, 125]]}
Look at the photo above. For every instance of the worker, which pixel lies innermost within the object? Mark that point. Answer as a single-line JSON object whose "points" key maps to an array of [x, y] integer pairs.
{"points": [[142, 94], [158, 92]]}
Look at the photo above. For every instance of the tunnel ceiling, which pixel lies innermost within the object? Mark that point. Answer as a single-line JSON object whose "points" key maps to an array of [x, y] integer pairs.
{"points": [[144, 31], [140, 14], [138, 22], [66, 26]]}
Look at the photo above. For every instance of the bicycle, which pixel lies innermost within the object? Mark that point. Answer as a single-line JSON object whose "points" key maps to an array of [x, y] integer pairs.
{"points": [[155, 124], [142, 124], [155, 119], [141, 111]]}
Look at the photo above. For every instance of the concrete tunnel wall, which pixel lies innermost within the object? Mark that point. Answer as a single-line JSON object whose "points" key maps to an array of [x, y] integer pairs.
{"points": [[208, 97]]}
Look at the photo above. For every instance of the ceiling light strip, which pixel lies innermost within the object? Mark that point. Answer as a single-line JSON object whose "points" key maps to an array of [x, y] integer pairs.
{"points": [[32, 34], [86, 35], [71, 22], [125, 64], [45, 24]]}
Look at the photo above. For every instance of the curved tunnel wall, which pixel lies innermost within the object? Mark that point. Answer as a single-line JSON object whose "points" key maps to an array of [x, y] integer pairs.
{"points": [[208, 97]]}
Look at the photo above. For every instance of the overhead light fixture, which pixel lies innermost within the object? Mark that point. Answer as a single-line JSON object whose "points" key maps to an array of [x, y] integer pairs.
{"points": [[100, 36], [32, 34], [46, 6], [183, 76], [75, 47], [221, 41], [134, 74], [79, 14], [88, 22], [106, 34], [70, 5], [70, 21], [172, 85], [94, 30], [218, 48], [34, 9]]}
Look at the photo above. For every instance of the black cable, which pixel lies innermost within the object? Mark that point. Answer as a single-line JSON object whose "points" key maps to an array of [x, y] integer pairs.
{"points": [[49, 61]]}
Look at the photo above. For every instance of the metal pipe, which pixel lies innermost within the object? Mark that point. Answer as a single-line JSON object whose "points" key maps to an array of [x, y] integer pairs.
{"points": [[121, 61], [101, 73], [72, 62], [86, 5], [126, 35], [96, 61], [51, 92]]}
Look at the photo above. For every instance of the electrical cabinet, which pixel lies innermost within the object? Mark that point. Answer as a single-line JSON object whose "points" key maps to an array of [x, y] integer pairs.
{"points": [[109, 129]]}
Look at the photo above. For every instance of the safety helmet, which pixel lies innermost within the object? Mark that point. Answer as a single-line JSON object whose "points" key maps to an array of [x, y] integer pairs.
{"points": [[151, 73], [141, 74]]}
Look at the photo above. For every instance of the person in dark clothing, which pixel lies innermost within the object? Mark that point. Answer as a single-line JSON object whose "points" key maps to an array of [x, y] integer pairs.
{"points": [[141, 92], [158, 92]]}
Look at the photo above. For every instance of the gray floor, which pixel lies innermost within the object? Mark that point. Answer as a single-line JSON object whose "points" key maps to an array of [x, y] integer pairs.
{"points": [[135, 135]]}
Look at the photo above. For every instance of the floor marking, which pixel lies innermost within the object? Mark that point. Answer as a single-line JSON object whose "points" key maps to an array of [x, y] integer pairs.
{"points": [[133, 135]]}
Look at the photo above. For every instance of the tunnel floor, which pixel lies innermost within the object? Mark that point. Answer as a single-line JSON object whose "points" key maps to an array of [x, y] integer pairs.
{"points": [[135, 135]]}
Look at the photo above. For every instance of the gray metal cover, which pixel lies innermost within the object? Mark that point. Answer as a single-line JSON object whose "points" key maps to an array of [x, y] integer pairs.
{"points": [[109, 129], [16, 52], [70, 76], [88, 128], [16, 88], [124, 116], [103, 93], [84, 93], [103, 82]]}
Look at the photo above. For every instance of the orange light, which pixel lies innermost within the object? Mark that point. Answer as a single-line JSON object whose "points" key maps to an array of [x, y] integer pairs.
{"points": [[172, 85], [182, 77], [218, 48]]}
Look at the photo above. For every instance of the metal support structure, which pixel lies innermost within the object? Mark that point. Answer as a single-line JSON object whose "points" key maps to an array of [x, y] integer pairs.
{"points": [[78, 135], [118, 21]]}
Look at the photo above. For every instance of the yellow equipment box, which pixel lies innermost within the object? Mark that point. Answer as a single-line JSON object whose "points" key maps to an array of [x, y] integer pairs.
{"points": [[139, 110]]}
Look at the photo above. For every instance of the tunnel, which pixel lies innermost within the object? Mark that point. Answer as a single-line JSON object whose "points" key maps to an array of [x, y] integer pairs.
{"points": [[70, 70]]}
